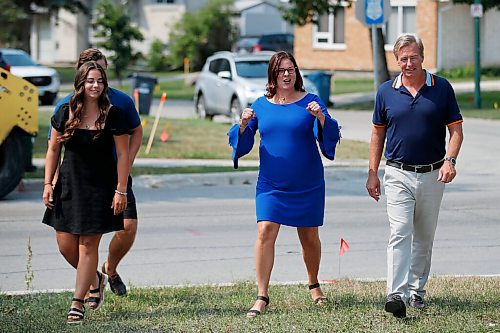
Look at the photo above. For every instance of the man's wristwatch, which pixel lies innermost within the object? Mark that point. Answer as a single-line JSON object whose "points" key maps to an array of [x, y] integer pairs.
{"points": [[453, 160]]}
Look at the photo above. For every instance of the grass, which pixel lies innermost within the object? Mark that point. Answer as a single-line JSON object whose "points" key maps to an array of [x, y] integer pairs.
{"points": [[490, 105], [193, 138], [469, 304], [176, 89], [140, 170], [345, 86]]}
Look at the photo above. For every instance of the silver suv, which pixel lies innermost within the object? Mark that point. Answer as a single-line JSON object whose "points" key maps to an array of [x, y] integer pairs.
{"points": [[230, 82]]}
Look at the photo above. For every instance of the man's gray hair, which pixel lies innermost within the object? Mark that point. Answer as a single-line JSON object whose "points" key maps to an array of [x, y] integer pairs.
{"points": [[405, 40]]}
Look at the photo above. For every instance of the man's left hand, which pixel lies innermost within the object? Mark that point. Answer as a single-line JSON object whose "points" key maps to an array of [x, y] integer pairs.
{"points": [[447, 172]]}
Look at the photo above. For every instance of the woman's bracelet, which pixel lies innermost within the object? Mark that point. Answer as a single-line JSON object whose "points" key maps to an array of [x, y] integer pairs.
{"points": [[49, 183], [121, 193]]}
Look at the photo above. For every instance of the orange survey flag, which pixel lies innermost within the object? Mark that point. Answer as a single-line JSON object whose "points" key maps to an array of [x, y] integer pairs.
{"points": [[164, 136], [343, 246]]}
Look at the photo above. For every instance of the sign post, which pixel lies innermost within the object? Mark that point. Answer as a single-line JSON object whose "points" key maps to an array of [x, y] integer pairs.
{"points": [[373, 13], [476, 10]]}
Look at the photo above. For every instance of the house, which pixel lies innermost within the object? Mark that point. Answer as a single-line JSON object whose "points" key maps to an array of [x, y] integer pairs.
{"points": [[257, 17], [341, 42], [61, 38]]}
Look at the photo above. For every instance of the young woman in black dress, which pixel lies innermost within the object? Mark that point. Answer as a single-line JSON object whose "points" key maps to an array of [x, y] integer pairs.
{"points": [[90, 196]]}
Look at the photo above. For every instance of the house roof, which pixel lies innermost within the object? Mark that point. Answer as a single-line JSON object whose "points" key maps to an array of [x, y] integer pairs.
{"points": [[241, 5]]}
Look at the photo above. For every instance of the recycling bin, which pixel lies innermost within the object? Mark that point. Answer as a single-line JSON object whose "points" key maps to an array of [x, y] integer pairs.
{"points": [[322, 81], [145, 86]]}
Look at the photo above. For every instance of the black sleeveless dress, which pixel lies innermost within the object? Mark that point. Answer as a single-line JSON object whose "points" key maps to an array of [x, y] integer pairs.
{"points": [[87, 179]]}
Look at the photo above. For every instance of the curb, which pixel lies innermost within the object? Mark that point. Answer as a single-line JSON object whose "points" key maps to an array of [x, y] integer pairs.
{"points": [[338, 172]]}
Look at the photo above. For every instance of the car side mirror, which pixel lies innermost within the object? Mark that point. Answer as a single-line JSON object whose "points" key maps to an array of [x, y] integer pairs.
{"points": [[225, 75]]}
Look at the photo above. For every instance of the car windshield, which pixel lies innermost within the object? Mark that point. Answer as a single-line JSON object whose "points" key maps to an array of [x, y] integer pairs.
{"points": [[19, 59], [252, 69]]}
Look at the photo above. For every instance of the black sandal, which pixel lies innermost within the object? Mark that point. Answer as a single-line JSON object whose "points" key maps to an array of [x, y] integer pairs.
{"points": [[76, 315], [98, 300], [252, 313], [321, 300]]}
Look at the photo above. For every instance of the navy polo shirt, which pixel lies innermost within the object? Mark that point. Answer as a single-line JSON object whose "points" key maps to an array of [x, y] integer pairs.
{"points": [[118, 99], [416, 126]]}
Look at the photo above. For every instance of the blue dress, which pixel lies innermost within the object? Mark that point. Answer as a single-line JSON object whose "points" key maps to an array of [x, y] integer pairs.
{"points": [[291, 184]]}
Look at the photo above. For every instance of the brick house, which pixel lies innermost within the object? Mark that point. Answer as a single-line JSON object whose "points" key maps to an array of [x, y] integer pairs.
{"points": [[341, 42]]}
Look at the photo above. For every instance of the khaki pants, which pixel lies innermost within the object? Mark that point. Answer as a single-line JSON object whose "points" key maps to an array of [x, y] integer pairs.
{"points": [[413, 202]]}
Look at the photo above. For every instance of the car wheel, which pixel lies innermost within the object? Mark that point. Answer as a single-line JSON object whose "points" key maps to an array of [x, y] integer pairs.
{"points": [[201, 109], [12, 161], [48, 98], [235, 111]]}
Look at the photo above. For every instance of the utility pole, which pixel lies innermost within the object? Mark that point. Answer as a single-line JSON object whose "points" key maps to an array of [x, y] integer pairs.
{"points": [[376, 65], [477, 13]]}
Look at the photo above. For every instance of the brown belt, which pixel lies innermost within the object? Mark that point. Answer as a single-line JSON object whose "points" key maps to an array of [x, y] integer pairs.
{"points": [[415, 168]]}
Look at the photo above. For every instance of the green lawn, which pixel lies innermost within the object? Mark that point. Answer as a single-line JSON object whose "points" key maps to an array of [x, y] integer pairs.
{"points": [[194, 138], [177, 89], [490, 105], [344, 86], [469, 304]]}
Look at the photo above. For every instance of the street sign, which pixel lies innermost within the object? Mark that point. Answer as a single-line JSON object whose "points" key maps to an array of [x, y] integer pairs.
{"points": [[476, 10], [373, 12]]}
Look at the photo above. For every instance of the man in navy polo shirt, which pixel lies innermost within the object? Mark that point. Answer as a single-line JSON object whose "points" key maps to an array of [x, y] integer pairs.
{"points": [[412, 112], [123, 240]]}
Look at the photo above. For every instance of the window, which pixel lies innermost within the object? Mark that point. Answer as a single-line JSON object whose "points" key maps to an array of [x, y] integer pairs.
{"points": [[219, 65], [403, 19], [214, 66], [329, 33]]}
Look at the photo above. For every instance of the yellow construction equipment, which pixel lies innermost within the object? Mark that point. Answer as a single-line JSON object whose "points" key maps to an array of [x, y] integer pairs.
{"points": [[18, 124]]}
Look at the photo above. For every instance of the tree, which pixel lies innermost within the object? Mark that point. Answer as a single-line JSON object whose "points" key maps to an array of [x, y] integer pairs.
{"points": [[17, 18], [9, 16], [157, 61], [487, 4], [302, 12], [199, 35], [114, 28]]}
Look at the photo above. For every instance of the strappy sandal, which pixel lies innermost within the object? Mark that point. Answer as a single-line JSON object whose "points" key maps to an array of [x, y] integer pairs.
{"points": [[76, 315], [115, 282], [252, 313], [321, 300], [98, 300]]}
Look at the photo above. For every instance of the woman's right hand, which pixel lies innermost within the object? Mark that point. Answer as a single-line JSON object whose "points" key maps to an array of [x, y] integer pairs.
{"points": [[246, 116], [48, 196]]}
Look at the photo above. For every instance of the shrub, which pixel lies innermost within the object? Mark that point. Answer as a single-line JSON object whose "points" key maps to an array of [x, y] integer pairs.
{"points": [[157, 60]]}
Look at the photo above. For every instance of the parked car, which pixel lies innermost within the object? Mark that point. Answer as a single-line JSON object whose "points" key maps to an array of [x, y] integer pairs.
{"points": [[245, 44], [274, 42], [3, 64], [46, 79], [230, 82], [268, 42]]}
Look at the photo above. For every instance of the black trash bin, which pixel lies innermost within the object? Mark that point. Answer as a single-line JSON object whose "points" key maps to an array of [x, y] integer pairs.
{"points": [[145, 86], [322, 81]]}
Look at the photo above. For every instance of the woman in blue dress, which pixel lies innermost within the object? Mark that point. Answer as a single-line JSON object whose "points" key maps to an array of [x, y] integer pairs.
{"points": [[291, 186]]}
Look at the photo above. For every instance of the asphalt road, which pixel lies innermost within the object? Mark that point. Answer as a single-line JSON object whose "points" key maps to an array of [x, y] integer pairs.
{"points": [[201, 229]]}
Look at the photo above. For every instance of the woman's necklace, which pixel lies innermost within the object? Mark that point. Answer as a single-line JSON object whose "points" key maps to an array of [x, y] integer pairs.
{"points": [[86, 124], [280, 99]]}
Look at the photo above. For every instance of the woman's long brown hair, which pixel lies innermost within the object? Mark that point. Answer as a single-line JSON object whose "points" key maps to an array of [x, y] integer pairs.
{"points": [[76, 101], [272, 73]]}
